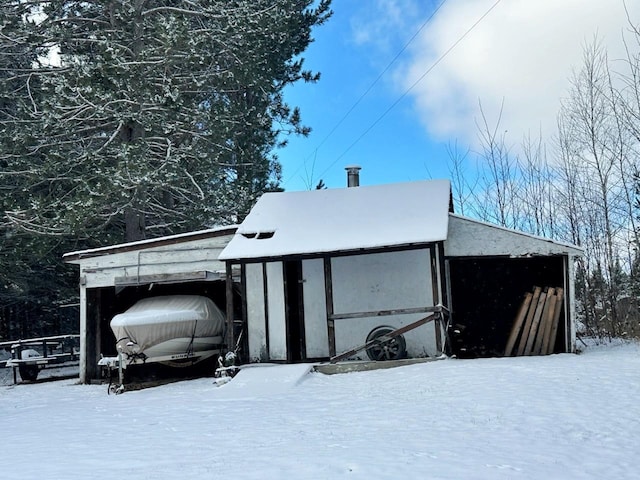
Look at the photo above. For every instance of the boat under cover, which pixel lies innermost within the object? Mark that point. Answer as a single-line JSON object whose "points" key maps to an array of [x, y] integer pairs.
{"points": [[169, 327]]}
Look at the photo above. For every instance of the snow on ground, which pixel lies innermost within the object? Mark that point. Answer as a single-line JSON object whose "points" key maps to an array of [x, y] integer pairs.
{"points": [[555, 417]]}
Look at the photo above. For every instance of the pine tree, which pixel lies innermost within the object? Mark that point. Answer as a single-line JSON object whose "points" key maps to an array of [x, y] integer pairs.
{"points": [[161, 116], [125, 119]]}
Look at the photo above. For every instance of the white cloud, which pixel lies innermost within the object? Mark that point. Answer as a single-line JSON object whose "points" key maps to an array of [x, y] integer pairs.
{"points": [[383, 23], [523, 52]]}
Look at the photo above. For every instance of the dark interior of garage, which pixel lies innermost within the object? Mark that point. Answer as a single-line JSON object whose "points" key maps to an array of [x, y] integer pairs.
{"points": [[486, 294]]}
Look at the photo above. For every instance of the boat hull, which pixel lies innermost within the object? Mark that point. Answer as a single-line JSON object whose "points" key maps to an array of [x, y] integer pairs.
{"points": [[176, 328]]}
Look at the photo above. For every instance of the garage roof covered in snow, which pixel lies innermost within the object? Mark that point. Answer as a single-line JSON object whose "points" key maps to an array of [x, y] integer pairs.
{"points": [[343, 219]]}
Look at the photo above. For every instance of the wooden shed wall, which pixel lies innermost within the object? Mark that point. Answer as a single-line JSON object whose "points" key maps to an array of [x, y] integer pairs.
{"points": [[361, 286]]}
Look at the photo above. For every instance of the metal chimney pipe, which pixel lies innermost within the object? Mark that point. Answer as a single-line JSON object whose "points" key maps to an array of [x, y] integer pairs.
{"points": [[353, 175]]}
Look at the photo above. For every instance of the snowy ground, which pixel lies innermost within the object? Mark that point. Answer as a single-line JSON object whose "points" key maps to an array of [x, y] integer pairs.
{"points": [[556, 417], [51, 373]]}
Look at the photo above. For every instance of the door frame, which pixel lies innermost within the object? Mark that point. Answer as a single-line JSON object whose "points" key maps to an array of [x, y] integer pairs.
{"points": [[294, 310]]}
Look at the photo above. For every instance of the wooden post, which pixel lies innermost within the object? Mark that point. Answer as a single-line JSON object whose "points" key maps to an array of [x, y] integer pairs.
{"points": [[230, 340], [328, 291], [245, 316], [436, 293], [551, 342], [83, 377], [549, 304], [517, 326], [546, 333], [548, 326], [527, 324], [534, 324], [265, 301]]}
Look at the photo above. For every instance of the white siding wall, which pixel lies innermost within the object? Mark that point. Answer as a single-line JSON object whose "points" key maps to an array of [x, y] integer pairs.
{"points": [[383, 281], [276, 312], [257, 330], [315, 309]]}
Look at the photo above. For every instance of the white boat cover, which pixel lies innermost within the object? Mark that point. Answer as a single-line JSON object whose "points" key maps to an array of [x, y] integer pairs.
{"points": [[154, 320]]}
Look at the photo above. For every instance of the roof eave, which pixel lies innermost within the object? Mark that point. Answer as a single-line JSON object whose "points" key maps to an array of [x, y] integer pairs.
{"points": [[78, 256], [329, 253]]}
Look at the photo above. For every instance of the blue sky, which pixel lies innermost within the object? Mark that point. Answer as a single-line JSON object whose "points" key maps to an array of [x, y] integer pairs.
{"points": [[520, 57]]}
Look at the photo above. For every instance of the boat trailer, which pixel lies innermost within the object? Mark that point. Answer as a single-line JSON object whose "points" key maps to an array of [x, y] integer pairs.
{"points": [[31, 355]]}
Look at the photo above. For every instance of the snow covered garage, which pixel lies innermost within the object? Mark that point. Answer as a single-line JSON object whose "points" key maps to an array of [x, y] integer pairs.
{"points": [[115, 278], [324, 270]]}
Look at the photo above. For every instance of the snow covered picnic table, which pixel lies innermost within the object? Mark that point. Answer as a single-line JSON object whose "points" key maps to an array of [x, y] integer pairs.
{"points": [[554, 417]]}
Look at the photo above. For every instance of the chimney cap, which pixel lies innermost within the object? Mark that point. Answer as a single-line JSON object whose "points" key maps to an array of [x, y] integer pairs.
{"points": [[353, 175]]}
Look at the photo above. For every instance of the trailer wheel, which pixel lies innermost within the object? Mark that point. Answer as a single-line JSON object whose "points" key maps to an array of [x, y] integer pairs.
{"points": [[28, 372], [392, 349]]}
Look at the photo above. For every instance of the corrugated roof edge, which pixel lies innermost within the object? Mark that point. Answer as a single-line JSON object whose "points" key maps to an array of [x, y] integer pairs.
{"points": [[519, 232], [72, 257]]}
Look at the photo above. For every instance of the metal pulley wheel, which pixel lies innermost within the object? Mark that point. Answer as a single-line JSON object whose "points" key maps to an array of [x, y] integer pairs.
{"points": [[391, 349]]}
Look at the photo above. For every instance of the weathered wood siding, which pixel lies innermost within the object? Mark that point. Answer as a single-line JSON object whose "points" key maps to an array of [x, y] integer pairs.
{"points": [[192, 256], [470, 238]]}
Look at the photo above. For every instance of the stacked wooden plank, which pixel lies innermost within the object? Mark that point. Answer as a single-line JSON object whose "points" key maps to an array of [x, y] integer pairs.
{"points": [[535, 328]]}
